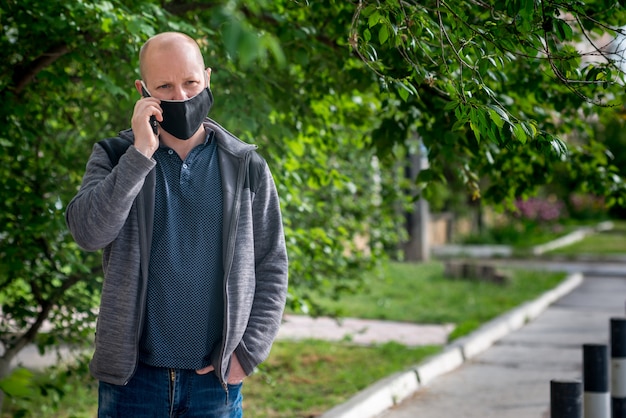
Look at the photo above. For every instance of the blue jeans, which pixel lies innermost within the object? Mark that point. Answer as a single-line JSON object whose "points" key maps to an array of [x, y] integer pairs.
{"points": [[156, 392]]}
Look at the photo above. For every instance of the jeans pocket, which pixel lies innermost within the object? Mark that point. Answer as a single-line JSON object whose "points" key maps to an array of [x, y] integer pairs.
{"points": [[235, 385]]}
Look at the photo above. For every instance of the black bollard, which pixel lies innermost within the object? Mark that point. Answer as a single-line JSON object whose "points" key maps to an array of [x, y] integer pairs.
{"points": [[566, 399], [596, 398], [618, 367]]}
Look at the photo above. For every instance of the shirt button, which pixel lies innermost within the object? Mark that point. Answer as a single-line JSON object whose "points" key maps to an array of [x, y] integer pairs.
{"points": [[185, 166], [170, 152]]}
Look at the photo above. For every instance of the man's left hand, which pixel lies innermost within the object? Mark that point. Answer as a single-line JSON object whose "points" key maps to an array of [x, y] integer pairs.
{"points": [[236, 375]]}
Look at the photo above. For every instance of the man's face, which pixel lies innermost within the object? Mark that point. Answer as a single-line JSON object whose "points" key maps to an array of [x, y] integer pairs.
{"points": [[174, 72]]}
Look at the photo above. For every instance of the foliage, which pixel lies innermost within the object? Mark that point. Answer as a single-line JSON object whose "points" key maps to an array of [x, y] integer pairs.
{"points": [[18, 383], [521, 235], [62, 391], [610, 129], [540, 219], [528, 222], [587, 207], [498, 91]]}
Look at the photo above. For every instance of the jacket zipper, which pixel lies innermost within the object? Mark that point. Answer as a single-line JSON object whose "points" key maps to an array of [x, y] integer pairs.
{"points": [[143, 294], [230, 252]]}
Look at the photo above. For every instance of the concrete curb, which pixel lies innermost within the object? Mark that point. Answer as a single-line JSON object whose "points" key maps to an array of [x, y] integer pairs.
{"points": [[571, 238], [491, 251], [392, 390]]}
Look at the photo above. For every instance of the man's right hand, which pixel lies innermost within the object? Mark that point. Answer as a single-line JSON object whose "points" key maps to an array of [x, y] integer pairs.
{"points": [[145, 139]]}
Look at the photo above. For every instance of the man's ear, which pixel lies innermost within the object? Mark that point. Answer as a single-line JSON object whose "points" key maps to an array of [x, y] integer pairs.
{"points": [[208, 77], [138, 86]]}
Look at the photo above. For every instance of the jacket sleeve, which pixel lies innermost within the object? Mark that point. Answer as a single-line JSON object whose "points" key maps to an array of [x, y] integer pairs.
{"points": [[98, 211], [271, 272]]}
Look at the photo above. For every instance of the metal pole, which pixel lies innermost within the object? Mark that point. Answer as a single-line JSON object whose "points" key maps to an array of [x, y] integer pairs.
{"points": [[418, 219], [596, 399], [566, 399], [618, 367]]}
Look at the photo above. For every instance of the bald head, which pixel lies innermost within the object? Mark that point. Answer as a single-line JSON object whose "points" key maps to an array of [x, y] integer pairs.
{"points": [[168, 42]]}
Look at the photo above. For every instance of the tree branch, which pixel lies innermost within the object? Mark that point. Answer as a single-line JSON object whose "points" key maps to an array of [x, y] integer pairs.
{"points": [[22, 77], [14, 346]]}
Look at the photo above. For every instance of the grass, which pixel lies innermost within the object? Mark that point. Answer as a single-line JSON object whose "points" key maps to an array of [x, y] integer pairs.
{"points": [[606, 243], [306, 378], [420, 293]]}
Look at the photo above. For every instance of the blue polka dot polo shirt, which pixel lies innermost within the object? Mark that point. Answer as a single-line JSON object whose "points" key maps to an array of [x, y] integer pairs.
{"points": [[184, 311]]}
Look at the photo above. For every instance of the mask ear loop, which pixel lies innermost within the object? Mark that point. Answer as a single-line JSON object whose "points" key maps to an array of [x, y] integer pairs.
{"points": [[144, 89]]}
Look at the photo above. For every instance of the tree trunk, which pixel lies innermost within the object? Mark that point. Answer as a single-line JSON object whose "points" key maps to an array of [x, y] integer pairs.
{"points": [[5, 370], [417, 248]]}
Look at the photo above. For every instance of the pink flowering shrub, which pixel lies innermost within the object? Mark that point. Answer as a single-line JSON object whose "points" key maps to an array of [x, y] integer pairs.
{"points": [[540, 210]]}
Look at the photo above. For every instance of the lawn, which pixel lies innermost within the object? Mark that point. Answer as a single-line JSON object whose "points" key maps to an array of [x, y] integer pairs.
{"points": [[601, 244]]}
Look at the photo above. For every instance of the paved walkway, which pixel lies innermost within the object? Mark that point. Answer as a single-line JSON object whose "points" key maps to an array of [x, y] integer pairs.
{"points": [[363, 331]]}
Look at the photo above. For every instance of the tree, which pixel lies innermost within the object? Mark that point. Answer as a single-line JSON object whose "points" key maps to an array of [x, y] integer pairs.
{"points": [[490, 81], [48, 113]]}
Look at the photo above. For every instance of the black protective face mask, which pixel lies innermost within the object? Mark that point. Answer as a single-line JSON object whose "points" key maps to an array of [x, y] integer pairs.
{"points": [[182, 118]]}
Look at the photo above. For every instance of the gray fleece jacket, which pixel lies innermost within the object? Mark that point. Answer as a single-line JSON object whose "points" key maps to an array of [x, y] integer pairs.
{"points": [[113, 210]]}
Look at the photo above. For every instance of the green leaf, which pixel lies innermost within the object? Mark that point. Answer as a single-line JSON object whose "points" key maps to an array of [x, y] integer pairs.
{"points": [[530, 129], [592, 73], [475, 122], [231, 32], [519, 133], [18, 383], [367, 35], [563, 30], [368, 10], [476, 129], [373, 19], [500, 112], [496, 118], [558, 146], [383, 34], [403, 92], [297, 147], [273, 45], [452, 104]]}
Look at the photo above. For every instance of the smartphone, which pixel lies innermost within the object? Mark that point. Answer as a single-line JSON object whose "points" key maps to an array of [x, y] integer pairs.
{"points": [[153, 121]]}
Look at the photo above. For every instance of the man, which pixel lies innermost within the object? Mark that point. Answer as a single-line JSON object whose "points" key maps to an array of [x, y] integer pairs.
{"points": [[194, 258]]}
